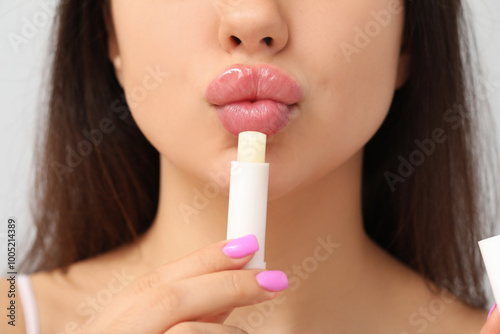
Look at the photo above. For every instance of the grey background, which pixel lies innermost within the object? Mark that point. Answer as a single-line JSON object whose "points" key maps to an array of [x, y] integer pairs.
{"points": [[22, 93]]}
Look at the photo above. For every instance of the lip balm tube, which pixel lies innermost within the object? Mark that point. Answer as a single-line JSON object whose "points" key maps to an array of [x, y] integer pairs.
{"points": [[248, 188], [490, 250]]}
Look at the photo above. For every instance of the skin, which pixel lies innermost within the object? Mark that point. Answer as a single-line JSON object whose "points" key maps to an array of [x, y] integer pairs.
{"points": [[314, 185]]}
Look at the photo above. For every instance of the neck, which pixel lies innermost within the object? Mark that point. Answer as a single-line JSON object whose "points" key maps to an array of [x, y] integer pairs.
{"points": [[326, 212], [315, 234]]}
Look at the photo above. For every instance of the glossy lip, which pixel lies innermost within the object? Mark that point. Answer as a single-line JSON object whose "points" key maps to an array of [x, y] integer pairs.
{"points": [[254, 98]]}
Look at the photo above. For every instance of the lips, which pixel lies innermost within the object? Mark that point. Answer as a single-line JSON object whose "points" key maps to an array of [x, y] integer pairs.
{"points": [[258, 98]]}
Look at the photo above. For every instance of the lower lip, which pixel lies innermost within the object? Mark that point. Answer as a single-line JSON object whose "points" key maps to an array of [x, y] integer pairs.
{"points": [[266, 116]]}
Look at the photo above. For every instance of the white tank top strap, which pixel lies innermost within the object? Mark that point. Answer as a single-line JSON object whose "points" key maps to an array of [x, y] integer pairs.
{"points": [[29, 304]]}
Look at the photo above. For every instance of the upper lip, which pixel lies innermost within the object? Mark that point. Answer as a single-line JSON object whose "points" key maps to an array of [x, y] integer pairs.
{"points": [[251, 83]]}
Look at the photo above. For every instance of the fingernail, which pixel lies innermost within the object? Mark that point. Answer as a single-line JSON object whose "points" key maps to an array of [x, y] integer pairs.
{"points": [[272, 280], [491, 311], [242, 246]]}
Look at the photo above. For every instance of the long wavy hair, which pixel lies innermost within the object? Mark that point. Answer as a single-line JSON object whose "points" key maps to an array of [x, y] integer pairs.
{"points": [[427, 200]]}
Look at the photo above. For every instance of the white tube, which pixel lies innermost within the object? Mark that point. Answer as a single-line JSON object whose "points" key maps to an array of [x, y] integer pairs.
{"points": [[248, 197], [490, 250]]}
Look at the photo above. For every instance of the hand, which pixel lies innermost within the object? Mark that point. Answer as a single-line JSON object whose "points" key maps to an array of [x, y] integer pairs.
{"points": [[194, 294], [492, 326]]}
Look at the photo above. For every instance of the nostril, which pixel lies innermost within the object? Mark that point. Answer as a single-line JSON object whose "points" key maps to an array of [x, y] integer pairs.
{"points": [[236, 40], [268, 40]]}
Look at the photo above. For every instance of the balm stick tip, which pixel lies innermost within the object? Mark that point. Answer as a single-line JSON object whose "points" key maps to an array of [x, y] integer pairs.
{"points": [[252, 147]]}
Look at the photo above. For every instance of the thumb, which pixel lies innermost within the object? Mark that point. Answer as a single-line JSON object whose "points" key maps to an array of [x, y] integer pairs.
{"points": [[492, 325]]}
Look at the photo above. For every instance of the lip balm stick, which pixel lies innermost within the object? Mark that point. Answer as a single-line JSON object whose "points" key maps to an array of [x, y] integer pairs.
{"points": [[248, 193], [490, 249]]}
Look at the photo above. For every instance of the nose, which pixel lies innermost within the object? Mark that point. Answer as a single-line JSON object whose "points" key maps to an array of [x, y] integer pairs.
{"points": [[252, 26]]}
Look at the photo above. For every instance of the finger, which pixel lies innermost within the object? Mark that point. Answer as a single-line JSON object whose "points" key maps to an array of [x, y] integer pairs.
{"points": [[492, 326], [223, 255], [203, 328], [200, 297], [209, 259]]}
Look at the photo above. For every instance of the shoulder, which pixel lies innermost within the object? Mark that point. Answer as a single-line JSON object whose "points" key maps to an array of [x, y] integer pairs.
{"points": [[460, 318], [67, 299], [9, 300], [417, 305], [441, 312], [423, 311]]}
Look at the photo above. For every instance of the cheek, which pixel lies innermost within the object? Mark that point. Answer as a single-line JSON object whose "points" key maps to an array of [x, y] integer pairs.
{"points": [[347, 96], [160, 43]]}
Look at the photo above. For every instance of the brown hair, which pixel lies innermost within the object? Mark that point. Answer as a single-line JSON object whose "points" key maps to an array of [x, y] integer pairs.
{"points": [[98, 177]]}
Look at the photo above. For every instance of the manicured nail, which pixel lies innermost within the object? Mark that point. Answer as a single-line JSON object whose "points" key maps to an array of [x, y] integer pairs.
{"points": [[491, 311], [272, 280], [242, 246]]}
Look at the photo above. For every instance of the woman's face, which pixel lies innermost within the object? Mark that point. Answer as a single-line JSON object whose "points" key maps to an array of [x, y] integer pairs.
{"points": [[345, 54]]}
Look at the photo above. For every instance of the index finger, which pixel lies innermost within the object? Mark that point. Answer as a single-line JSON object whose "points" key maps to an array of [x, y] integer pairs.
{"points": [[223, 255]]}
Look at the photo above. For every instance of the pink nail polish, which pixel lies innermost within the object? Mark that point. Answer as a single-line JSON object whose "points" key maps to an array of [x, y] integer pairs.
{"points": [[242, 246], [272, 280], [491, 311]]}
